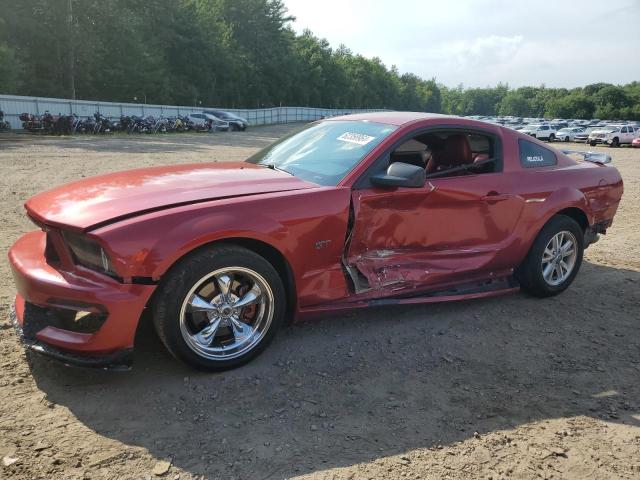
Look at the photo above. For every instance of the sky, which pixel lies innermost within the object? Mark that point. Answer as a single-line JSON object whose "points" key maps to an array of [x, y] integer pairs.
{"points": [[480, 43]]}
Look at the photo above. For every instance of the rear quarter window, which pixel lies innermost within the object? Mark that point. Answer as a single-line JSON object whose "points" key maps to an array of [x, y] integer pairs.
{"points": [[533, 155]]}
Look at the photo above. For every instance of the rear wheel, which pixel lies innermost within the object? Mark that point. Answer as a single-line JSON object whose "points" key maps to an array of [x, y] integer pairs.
{"points": [[552, 137], [554, 259], [219, 308]]}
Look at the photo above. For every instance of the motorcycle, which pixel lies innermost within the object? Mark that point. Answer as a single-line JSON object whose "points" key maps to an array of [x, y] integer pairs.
{"points": [[161, 125], [63, 124], [142, 124], [5, 126], [186, 124], [85, 126], [124, 124], [102, 124]]}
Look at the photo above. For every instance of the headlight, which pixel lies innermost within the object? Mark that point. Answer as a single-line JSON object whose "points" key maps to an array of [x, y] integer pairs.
{"points": [[88, 253]]}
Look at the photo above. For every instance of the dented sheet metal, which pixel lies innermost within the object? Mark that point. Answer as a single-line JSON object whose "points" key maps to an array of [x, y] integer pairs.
{"points": [[400, 269], [402, 240]]}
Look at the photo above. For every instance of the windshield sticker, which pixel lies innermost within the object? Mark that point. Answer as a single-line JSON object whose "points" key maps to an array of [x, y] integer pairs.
{"points": [[357, 138]]}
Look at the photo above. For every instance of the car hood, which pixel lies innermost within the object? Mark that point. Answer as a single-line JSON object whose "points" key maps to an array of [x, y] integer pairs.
{"points": [[103, 199]]}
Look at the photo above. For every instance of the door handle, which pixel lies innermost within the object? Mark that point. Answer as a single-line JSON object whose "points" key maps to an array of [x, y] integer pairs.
{"points": [[493, 197]]}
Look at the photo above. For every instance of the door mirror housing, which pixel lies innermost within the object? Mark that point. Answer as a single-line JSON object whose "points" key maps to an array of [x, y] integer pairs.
{"points": [[401, 175]]}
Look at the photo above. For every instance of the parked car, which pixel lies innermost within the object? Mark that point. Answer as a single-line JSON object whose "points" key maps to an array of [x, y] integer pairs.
{"points": [[370, 209], [205, 122], [569, 134], [612, 135], [540, 131], [236, 123], [582, 137], [636, 142]]}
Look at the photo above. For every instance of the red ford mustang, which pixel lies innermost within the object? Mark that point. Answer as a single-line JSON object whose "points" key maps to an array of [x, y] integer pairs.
{"points": [[351, 212]]}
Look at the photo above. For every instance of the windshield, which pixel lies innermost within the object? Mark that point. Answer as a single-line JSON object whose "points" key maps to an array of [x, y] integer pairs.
{"points": [[325, 152]]}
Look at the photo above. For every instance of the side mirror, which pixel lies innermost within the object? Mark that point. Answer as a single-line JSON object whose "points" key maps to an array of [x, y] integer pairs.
{"points": [[401, 175]]}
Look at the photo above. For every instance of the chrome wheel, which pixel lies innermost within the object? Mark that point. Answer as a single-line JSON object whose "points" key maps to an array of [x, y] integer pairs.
{"points": [[559, 258], [226, 313]]}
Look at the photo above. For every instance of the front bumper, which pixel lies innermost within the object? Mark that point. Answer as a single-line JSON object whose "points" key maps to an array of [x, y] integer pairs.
{"points": [[44, 290], [118, 360]]}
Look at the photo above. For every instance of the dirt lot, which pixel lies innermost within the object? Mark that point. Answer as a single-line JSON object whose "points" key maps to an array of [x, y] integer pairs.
{"points": [[510, 387]]}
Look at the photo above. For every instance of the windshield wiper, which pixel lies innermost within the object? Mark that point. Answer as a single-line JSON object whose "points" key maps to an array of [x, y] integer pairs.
{"points": [[273, 167]]}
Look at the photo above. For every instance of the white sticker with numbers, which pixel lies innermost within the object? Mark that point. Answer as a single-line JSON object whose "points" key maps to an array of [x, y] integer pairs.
{"points": [[357, 138]]}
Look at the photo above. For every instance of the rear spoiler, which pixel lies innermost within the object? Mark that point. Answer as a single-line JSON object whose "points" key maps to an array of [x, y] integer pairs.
{"points": [[594, 157]]}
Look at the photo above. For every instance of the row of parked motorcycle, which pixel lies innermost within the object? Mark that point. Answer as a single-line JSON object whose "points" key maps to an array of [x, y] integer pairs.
{"points": [[98, 123]]}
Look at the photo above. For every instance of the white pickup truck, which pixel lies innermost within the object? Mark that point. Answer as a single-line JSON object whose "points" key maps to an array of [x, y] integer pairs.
{"points": [[613, 135], [540, 131]]}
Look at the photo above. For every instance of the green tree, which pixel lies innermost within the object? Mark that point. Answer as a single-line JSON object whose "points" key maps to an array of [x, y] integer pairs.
{"points": [[515, 103], [239, 53]]}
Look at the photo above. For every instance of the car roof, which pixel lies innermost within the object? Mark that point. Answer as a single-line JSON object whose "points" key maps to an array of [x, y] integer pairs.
{"points": [[392, 118]]}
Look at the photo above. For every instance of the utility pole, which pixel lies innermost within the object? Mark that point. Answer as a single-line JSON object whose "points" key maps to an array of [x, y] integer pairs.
{"points": [[71, 55]]}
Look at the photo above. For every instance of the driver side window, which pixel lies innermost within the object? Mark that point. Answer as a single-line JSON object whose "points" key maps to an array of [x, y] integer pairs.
{"points": [[449, 153]]}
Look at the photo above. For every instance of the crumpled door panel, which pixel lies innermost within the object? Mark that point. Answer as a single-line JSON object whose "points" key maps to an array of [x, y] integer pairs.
{"points": [[411, 239]]}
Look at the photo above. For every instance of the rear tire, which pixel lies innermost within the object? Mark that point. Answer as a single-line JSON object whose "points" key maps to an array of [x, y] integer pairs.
{"points": [[552, 137], [549, 267], [198, 313]]}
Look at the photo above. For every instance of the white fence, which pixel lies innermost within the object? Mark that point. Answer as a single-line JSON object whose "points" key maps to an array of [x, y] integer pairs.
{"points": [[14, 105]]}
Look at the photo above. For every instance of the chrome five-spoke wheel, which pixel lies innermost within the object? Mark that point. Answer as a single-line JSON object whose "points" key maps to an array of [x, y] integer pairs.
{"points": [[226, 313], [219, 307], [559, 258]]}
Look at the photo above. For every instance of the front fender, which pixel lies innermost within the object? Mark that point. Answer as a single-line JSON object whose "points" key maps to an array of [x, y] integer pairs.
{"points": [[294, 224]]}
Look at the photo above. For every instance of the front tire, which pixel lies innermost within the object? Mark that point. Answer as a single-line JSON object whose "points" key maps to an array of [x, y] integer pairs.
{"points": [[554, 258], [219, 308], [552, 137], [615, 143]]}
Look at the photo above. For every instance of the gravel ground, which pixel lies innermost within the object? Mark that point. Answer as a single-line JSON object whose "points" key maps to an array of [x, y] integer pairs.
{"points": [[508, 387]]}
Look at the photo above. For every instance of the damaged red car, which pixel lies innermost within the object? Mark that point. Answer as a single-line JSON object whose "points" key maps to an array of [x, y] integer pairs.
{"points": [[349, 212]]}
